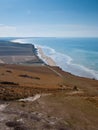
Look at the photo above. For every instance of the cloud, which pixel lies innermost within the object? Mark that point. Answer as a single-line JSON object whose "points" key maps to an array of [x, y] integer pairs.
{"points": [[1, 24], [63, 30], [6, 30], [51, 30]]}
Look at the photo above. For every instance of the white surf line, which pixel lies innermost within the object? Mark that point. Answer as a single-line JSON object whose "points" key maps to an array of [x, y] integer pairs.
{"points": [[31, 99]]}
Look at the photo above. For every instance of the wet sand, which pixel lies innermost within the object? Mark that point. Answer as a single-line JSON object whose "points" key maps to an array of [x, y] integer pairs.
{"points": [[47, 59]]}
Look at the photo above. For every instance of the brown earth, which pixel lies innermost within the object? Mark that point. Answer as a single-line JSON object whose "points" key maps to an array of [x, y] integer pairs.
{"points": [[26, 81], [72, 103]]}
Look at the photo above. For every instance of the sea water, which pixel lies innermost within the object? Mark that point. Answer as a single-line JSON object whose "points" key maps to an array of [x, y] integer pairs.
{"points": [[78, 56]]}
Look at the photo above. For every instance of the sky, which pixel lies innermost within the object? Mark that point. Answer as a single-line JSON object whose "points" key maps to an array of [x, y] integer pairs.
{"points": [[48, 18]]}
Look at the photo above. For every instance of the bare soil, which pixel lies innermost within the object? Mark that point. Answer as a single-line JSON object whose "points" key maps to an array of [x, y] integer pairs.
{"points": [[66, 102]]}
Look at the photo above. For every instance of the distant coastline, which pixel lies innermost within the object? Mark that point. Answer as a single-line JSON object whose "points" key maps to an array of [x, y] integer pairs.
{"points": [[64, 60], [54, 58], [46, 59], [16, 53]]}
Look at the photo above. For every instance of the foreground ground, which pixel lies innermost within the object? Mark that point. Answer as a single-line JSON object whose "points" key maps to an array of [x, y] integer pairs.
{"points": [[59, 100]]}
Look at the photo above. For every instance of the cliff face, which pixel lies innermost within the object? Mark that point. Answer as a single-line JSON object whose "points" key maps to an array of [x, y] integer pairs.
{"points": [[18, 53], [9, 49]]}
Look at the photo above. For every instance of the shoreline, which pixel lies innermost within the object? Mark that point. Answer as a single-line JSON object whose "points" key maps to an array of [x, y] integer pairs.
{"points": [[45, 58], [73, 68], [48, 60]]}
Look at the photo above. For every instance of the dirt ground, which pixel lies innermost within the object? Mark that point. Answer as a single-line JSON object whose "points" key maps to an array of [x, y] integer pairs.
{"points": [[66, 102]]}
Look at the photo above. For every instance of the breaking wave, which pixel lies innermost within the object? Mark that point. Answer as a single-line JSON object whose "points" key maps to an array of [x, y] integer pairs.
{"points": [[64, 61]]}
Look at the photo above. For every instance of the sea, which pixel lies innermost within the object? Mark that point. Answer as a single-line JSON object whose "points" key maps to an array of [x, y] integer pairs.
{"points": [[78, 56]]}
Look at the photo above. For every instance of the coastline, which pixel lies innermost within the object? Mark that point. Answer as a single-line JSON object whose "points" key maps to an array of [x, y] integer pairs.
{"points": [[46, 59], [84, 72], [67, 65], [46, 97]]}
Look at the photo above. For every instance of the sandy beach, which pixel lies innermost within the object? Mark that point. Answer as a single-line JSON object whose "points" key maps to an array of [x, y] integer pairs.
{"points": [[47, 59]]}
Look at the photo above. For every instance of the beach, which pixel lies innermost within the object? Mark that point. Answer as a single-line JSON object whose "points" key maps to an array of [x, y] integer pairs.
{"points": [[78, 56], [48, 60]]}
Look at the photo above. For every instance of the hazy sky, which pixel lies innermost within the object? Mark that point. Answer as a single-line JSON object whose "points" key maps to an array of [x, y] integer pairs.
{"points": [[56, 18]]}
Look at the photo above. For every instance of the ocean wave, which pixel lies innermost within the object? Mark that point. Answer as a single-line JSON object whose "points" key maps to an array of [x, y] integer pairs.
{"points": [[63, 60], [66, 63], [19, 41], [53, 54], [87, 52]]}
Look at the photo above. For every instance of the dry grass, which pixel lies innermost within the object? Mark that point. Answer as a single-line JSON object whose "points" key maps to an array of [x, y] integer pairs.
{"points": [[73, 102], [29, 80]]}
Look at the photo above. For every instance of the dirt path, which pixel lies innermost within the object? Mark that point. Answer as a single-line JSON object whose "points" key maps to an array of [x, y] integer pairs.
{"points": [[32, 99], [57, 73]]}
